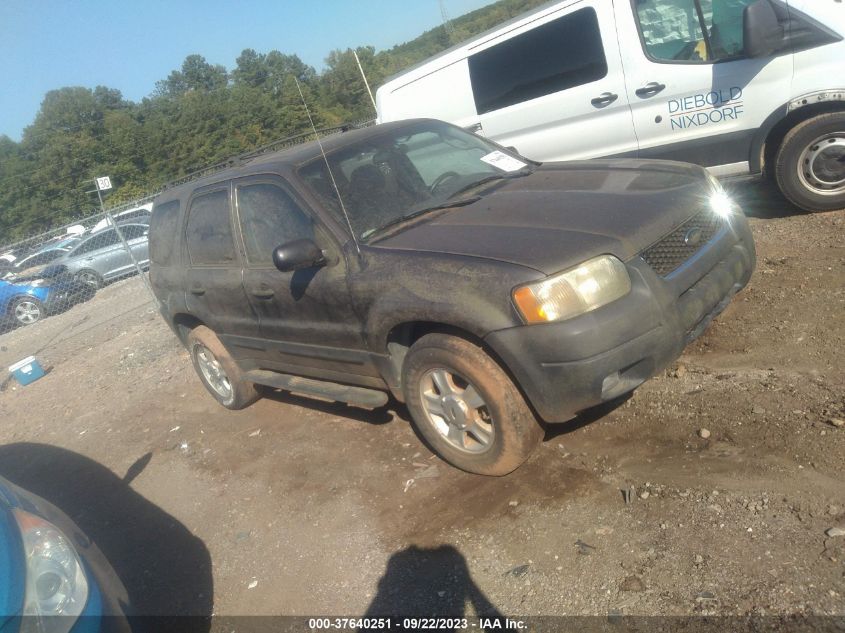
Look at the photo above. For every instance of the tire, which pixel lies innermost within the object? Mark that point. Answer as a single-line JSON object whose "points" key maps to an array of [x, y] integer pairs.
{"points": [[451, 383], [810, 163], [218, 373], [90, 277], [27, 310]]}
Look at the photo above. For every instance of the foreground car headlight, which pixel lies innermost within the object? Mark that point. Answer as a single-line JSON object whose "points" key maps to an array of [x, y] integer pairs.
{"points": [[594, 283], [55, 581], [720, 201]]}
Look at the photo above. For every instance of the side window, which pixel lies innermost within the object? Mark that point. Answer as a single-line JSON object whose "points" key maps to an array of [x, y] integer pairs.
{"points": [[133, 231], [558, 55], [269, 217], [692, 30], [164, 226], [100, 240], [209, 233]]}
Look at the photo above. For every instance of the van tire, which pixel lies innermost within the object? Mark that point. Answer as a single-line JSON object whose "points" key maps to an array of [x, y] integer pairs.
{"points": [[216, 368], [794, 163], [516, 431]]}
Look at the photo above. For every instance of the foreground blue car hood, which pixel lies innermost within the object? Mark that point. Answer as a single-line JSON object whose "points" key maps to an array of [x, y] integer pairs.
{"points": [[12, 566]]}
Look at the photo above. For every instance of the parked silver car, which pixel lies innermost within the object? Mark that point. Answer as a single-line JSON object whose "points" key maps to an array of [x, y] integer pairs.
{"points": [[101, 257]]}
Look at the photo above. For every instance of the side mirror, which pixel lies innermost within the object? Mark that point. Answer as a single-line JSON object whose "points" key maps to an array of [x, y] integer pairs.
{"points": [[770, 27], [762, 32], [298, 254]]}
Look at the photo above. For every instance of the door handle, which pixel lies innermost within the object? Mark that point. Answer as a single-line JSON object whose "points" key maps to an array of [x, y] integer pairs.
{"points": [[198, 290], [650, 89], [263, 293], [604, 99]]}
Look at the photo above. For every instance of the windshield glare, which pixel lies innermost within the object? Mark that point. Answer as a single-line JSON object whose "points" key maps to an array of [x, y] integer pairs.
{"points": [[400, 173]]}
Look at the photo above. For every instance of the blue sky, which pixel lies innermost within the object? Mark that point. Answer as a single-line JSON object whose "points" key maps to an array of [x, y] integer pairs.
{"points": [[131, 44]]}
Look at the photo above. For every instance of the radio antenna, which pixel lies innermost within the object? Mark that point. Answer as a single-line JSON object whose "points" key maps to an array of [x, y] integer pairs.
{"points": [[328, 167]]}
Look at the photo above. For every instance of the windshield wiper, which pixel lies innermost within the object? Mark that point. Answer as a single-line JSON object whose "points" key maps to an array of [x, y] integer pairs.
{"points": [[405, 218], [525, 171]]}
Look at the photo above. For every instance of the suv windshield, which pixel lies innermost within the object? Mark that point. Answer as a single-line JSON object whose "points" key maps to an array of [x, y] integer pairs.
{"points": [[406, 172]]}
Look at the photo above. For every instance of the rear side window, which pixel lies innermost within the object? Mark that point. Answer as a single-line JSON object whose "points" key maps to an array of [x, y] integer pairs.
{"points": [[209, 232], [133, 231], [164, 227], [558, 55], [97, 241]]}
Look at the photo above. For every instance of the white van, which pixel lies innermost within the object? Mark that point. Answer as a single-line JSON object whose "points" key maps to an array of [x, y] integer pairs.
{"points": [[738, 86]]}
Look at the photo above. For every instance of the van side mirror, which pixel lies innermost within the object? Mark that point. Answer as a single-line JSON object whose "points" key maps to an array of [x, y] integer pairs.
{"points": [[770, 27], [762, 33], [303, 253]]}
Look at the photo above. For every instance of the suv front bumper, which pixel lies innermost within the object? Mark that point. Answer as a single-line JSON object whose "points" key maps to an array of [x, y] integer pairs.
{"points": [[566, 367]]}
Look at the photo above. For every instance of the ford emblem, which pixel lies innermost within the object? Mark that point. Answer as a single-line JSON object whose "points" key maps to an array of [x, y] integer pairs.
{"points": [[693, 237]]}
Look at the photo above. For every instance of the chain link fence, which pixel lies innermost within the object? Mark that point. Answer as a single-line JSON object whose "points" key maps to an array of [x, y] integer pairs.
{"points": [[93, 270], [49, 273]]}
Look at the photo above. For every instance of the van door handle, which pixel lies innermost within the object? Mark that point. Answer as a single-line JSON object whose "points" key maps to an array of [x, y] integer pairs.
{"points": [[263, 293], [650, 89], [197, 290], [604, 99]]}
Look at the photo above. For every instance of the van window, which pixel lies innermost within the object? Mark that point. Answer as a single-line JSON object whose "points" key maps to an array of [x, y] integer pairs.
{"points": [[209, 233], [163, 232], [558, 55], [692, 30], [269, 217]]}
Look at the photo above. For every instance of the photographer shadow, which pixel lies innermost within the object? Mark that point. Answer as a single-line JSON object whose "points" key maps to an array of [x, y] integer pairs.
{"points": [[165, 568], [429, 583]]}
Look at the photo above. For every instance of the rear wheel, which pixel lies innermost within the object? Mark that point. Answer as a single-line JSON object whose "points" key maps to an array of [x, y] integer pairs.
{"points": [[90, 277], [218, 372], [27, 310], [810, 164], [466, 407]]}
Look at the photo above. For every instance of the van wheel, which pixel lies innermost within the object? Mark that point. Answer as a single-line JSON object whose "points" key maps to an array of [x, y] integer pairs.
{"points": [[466, 407], [218, 372], [810, 164]]}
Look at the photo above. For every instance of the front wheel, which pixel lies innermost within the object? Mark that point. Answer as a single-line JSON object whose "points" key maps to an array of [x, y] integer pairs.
{"points": [[466, 407], [218, 372], [810, 164]]}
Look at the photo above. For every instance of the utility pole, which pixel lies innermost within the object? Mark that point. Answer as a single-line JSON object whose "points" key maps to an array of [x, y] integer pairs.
{"points": [[447, 23], [366, 83]]}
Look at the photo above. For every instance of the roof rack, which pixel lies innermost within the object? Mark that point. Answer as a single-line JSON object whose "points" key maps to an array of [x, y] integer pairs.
{"points": [[274, 146]]}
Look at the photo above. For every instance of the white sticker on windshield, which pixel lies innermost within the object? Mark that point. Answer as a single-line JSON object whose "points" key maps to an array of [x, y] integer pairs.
{"points": [[503, 161]]}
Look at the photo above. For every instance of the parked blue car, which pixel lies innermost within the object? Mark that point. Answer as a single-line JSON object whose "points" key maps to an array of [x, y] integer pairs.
{"points": [[53, 579], [27, 300]]}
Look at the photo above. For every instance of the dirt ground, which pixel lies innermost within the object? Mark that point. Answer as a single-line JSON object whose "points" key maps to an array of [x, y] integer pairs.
{"points": [[296, 506]]}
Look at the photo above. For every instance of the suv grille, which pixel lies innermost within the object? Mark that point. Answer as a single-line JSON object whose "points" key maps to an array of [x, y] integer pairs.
{"points": [[674, 249]]}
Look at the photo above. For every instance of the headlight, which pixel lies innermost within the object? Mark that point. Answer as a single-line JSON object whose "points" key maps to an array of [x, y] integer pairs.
{"points": [[55, 581], [591, 285], [721, 203]]}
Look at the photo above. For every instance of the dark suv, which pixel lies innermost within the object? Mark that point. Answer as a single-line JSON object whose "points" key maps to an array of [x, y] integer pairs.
{"points": [[487, 292]]}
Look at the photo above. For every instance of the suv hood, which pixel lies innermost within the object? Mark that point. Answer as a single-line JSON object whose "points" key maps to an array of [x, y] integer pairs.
{"points": [[565, 213]]}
